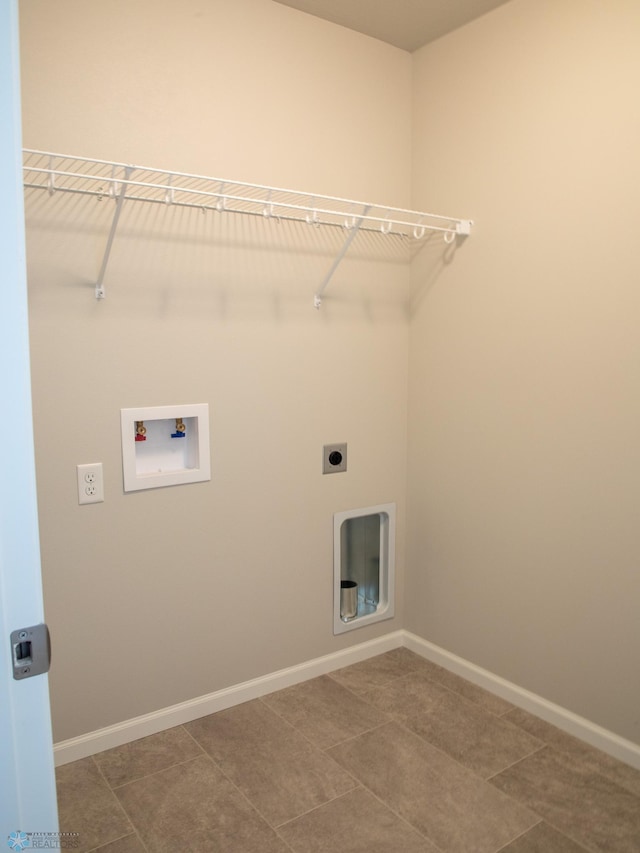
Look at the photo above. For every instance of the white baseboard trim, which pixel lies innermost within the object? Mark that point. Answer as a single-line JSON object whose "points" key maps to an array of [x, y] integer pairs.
{"points": [[148, 724], [165, 718], [579, 727]]}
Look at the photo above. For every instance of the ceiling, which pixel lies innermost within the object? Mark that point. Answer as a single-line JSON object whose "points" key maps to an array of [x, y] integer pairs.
{"points": [[407, 24]]}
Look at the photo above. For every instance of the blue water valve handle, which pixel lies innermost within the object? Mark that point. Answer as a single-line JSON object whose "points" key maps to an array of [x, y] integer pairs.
{"points": [[180, 429]]}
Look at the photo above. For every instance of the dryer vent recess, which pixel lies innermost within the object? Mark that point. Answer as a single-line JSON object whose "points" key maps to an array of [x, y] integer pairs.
{"points": [[334, 458]]}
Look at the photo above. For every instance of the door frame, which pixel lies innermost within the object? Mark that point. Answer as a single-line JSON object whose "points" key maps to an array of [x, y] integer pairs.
{"points": [[27, 780]]}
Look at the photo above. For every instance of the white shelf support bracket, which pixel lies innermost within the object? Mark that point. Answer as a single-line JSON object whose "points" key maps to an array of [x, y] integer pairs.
{"points": [[354, 227], [100, 291]]}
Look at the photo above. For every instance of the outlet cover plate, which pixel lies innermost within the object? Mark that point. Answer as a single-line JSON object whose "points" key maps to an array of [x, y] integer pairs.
{"points": [[90, 483], [334, 458]]}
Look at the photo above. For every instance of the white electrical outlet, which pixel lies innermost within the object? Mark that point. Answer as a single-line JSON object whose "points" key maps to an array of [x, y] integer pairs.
{"points": [[90, 483]]}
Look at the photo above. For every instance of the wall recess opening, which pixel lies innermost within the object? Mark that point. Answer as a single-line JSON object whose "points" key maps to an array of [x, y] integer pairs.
{"points": [[165, 446], [363, 566]]}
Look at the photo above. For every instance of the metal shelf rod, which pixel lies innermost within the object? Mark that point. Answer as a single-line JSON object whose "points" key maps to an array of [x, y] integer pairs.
{"points": [[279, 217], [221, 181], [271, 204]]}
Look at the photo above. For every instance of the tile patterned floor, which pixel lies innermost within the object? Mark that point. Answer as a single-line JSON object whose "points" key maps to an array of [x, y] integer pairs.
{"points": [[391, 755]]}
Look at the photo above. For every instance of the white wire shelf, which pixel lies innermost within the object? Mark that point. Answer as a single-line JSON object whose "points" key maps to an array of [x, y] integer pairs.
{"points": [[53, 173]]}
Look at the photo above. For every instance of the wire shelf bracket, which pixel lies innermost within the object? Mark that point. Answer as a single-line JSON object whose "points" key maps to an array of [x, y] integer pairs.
{"points": [[121, 195], [65, 173], [354, 227]]}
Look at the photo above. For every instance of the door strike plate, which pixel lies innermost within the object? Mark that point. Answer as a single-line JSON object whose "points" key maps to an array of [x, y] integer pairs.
{"points": [[30, 651]]}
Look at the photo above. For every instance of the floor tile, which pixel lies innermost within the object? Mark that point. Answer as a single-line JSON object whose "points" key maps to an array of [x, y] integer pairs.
{"points": [[191, 806], [129, 844], [324, 711], [476, 738], [591, 758], [389, 755], [145, 756], [275, 766], [447, 803], [87, 806], [543, 839], [377, 671], [588, 807], [416, 691], [354, 823], [487, 700]]}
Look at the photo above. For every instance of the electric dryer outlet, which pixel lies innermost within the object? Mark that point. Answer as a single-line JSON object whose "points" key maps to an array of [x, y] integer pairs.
{"points": [[334, 458]]}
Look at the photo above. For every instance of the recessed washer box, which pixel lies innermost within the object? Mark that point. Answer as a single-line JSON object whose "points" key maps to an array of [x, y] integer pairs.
{"points": [[363, 566], [165, 446]]}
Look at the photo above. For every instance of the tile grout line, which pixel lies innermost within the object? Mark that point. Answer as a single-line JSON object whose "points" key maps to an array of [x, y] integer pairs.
{"points": [[452, 758], [249, 802], [400, 719], [283, 840], [315, 748], [119, 804], [517, 837], [133, 834], [449, 674], [353, 737], [471, 773], [383, 684], [155, 772], [323, 749], [392, 718], [187, 732], [136, 832], [459, 695], [593, 753], [359, 785], [405, 718], [535, 751], [145, 775], [362, 787], [543, 819], [403, 819], [463, 767], [565, 834], [251, 805], [431, 677]]}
